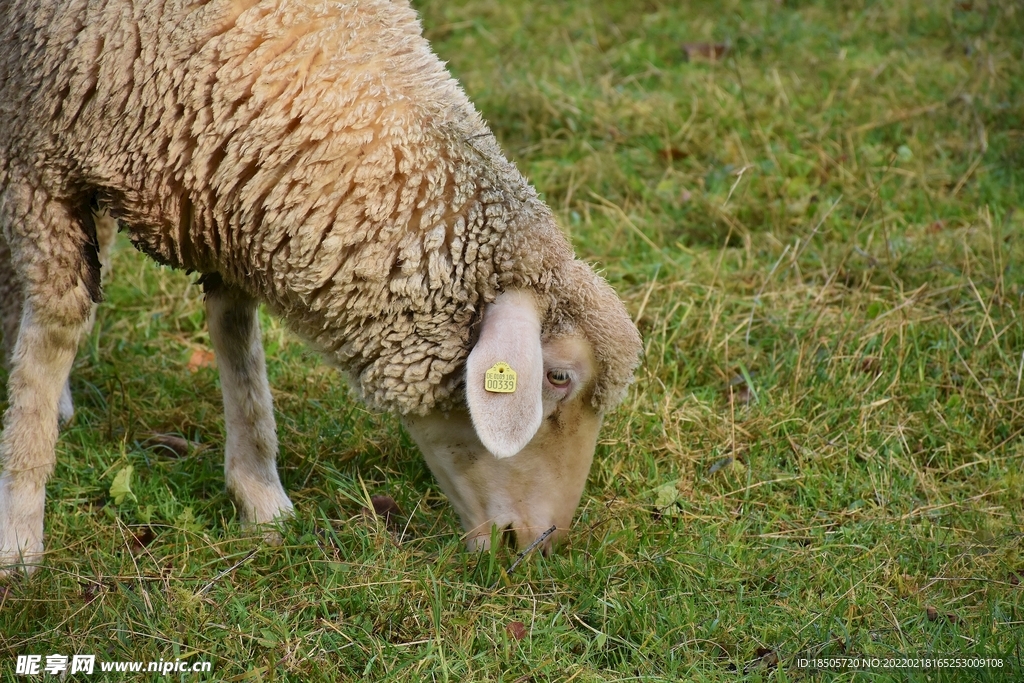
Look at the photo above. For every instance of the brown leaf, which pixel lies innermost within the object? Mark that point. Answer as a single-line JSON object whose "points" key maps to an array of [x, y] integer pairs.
{"points": [[142, 537], [870, 365], [171, 443], [707, 52], [200, 358], [91, 590], [740, 394], [386, 508], [516, 630], [765, 659], [673, 153], [934, 615], [1014, 579], [935, 227]]}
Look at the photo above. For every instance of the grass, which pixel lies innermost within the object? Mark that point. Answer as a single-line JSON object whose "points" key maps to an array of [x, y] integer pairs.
{"points": [[818, 235]]}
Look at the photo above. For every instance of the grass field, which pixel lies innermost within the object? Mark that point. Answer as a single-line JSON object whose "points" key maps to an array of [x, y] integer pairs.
{"points": [[812, 211]]}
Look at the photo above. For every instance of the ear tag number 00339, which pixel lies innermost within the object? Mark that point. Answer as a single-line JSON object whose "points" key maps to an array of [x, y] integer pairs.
{"points": [[500, 379]]}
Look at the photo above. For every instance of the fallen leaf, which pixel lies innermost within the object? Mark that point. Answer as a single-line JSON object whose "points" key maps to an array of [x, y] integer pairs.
{"points": [[739, 391], [934, 615], [90, 591], [870, 365], [726, 463], [673, 153], [171, 443], [186, 520], [200, 358], [386, 508], [142, 537], [516, 630], [765, 659], [740, 394], [708, 52], [666, 495], [935, 227], [121, 487], [1014, 579]]}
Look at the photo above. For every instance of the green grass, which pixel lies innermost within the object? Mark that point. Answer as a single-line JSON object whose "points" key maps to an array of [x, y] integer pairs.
{"points": [[819, 235]]}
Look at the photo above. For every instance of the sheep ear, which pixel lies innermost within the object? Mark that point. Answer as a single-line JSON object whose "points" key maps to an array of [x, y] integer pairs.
{"points": [[509, 340]]}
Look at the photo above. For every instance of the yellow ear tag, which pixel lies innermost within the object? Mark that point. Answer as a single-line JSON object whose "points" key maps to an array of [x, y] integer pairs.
{"points": [[500, 379]]}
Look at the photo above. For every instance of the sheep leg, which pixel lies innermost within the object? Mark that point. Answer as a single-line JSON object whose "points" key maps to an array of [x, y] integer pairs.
{"points": [[10, 313], [250, 455], [11, 299], [60, 281]]}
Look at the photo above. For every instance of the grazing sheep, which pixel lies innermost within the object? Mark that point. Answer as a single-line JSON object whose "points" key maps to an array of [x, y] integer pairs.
{"points": [[315, 156]]}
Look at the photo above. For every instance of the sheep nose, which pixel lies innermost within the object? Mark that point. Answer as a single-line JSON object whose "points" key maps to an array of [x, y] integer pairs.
{"points": [[527, 539], [523, 537]]}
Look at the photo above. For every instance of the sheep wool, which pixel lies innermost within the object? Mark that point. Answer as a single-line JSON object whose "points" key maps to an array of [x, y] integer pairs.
{"points": [[316, 155]]}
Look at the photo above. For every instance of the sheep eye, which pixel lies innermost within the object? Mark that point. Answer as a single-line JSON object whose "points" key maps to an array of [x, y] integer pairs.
{"points": [[559, 377]]}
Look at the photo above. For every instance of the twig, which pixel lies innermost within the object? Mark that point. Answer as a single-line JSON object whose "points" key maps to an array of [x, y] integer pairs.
{"points": [[227, 571], [967, 175], [933, 508], [901, 116], [758, 484], [522, 556], [647, 296], [739, 177]]}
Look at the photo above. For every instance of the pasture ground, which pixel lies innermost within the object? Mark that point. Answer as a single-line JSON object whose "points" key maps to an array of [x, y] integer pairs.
{"points": [[812, 209]]}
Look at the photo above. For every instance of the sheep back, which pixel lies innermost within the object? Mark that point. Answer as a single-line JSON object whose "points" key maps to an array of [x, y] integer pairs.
{"points": [[315, 154]]}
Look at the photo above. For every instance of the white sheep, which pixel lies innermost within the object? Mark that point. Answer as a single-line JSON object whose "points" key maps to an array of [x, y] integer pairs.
{"points": [[315, 156]]}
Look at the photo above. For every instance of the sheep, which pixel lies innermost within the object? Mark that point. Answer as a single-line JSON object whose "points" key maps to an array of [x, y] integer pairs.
{"points": [[316, 157]]}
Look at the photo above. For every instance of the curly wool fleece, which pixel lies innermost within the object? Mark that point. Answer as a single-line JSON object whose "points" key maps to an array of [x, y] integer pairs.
{"points": [[315, 154]]}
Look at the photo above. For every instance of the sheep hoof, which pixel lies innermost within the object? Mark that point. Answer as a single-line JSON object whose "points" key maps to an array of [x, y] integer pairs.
{"points": [[21, 530], [259, 502], [264, 508], [273, 537], [271, 532]]}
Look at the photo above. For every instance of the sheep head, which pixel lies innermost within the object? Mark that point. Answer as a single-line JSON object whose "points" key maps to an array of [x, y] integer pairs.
{"points": [[519, 459]]}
